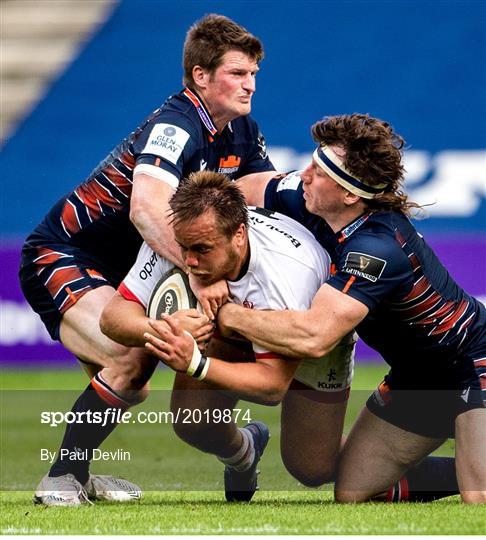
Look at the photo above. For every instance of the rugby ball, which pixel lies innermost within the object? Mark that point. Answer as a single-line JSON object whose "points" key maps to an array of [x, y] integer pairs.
{"points": [[171, 293]]}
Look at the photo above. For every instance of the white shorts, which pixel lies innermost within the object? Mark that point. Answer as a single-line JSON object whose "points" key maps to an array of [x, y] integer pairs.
{"points": [[331, 373]]}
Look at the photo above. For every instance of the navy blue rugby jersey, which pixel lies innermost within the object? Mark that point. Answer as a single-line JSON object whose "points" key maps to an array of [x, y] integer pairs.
{"points": [[420, 320], [178, 138]]}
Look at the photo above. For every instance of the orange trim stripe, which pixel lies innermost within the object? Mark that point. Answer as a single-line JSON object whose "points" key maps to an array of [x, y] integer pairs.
{"points": [[350, 281], [106, 396], [192, 97], [71, 295]]}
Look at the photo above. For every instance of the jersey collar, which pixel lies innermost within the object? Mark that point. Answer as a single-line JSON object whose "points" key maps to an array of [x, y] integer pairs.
{"points": [[347, 231], [201, 110]]}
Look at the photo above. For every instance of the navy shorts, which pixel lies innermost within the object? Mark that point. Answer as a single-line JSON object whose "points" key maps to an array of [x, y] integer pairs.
{"points": [[53, 277], [429, 412]]}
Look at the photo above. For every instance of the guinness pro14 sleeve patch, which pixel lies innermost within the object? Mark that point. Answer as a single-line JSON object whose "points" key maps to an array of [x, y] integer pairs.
{"points": [[363, 265], [166, 141]]}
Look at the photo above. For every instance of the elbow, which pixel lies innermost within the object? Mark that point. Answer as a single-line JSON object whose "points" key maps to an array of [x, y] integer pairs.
{"points": [[312, 346], [315, 348], [274, 395], [269, 400], [138, 214], [272, 400], [268, 396]]}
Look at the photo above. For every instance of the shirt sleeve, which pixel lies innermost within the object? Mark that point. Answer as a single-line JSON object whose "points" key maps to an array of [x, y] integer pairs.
{"points": [[142, 278], [284, 194], [371, 268], [166, 143]]}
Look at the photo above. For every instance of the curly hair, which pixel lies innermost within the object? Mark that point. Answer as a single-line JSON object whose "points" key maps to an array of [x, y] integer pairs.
{"points": [[210, 38], [373, 151], [208, 190]]}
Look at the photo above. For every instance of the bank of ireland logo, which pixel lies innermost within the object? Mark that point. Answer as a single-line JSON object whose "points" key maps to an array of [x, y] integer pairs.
{"points": [[170, 131]]}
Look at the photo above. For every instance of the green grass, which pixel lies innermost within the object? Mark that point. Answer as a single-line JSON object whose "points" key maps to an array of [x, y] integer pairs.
{"points": [[184, 492], [310, 512]]}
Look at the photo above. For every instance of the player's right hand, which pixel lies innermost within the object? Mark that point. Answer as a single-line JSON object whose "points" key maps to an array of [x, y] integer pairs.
{"points": [[197, 324], [211, 297]]}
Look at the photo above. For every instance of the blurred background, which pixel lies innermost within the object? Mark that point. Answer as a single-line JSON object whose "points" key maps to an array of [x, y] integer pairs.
{"points": [[78, 75]]}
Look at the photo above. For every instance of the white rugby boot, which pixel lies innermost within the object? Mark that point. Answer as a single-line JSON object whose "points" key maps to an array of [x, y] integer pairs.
{"points": [[108, 488], [62, 490]]}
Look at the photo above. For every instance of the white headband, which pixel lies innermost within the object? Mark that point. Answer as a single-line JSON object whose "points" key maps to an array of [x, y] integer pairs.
{"points": [[334, 167]]}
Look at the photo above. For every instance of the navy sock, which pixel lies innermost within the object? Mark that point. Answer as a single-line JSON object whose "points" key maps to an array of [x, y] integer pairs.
{"points": [[434, 478], [80, 439]]}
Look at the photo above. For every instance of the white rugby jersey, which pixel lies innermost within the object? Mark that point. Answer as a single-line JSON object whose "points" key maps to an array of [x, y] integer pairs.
{"points": [[286, 268]]}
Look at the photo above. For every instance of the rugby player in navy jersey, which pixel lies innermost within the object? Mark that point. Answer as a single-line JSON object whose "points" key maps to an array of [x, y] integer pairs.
{"points": [[387, 284], [73, 261]]}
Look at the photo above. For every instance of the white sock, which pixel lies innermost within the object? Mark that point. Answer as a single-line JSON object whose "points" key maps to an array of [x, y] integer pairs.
{"points": [[243, 459]]}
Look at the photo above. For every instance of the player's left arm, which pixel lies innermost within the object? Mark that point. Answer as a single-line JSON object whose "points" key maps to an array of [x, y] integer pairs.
{"points": [[264, 381], [303, 334]]}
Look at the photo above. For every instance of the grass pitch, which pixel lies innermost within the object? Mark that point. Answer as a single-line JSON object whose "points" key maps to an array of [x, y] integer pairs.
{"points": [[184, 488]]}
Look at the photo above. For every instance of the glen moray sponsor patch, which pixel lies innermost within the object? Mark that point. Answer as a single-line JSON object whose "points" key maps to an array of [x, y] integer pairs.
{"points": [[166, 141]]}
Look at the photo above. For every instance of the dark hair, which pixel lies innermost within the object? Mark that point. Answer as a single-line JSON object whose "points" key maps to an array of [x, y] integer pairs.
{"points": [[373, 153], [210, 38], [208, 190]]}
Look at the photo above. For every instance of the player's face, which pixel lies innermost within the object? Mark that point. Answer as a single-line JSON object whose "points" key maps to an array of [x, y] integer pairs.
{"points": [[228, 91], [323, 195], [207, 253]]}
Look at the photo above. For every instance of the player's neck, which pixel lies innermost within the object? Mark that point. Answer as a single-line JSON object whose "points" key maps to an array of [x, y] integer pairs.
{"points": [[220, 118], [344, 216], [243, 263], [339, 221]]}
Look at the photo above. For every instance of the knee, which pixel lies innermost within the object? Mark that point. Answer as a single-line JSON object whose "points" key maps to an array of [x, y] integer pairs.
{"points": [[313, 473], [473, 497], [348, 496], [310, 477]]}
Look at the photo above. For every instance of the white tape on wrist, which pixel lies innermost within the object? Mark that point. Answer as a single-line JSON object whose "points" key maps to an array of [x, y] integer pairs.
{"points": [[199, 365]]}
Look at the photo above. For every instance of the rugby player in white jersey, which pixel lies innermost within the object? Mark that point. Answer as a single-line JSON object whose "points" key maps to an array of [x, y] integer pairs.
{"points": [[269, 262]]}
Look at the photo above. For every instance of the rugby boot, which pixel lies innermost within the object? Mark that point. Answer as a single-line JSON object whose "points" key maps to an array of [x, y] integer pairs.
{"points": [[62, 490], [240, 486], [108, 488]]}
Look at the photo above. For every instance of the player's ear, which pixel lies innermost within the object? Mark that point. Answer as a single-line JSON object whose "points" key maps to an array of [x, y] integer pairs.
{"points": [[240, 235], [351, 198], [200, 76]]}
